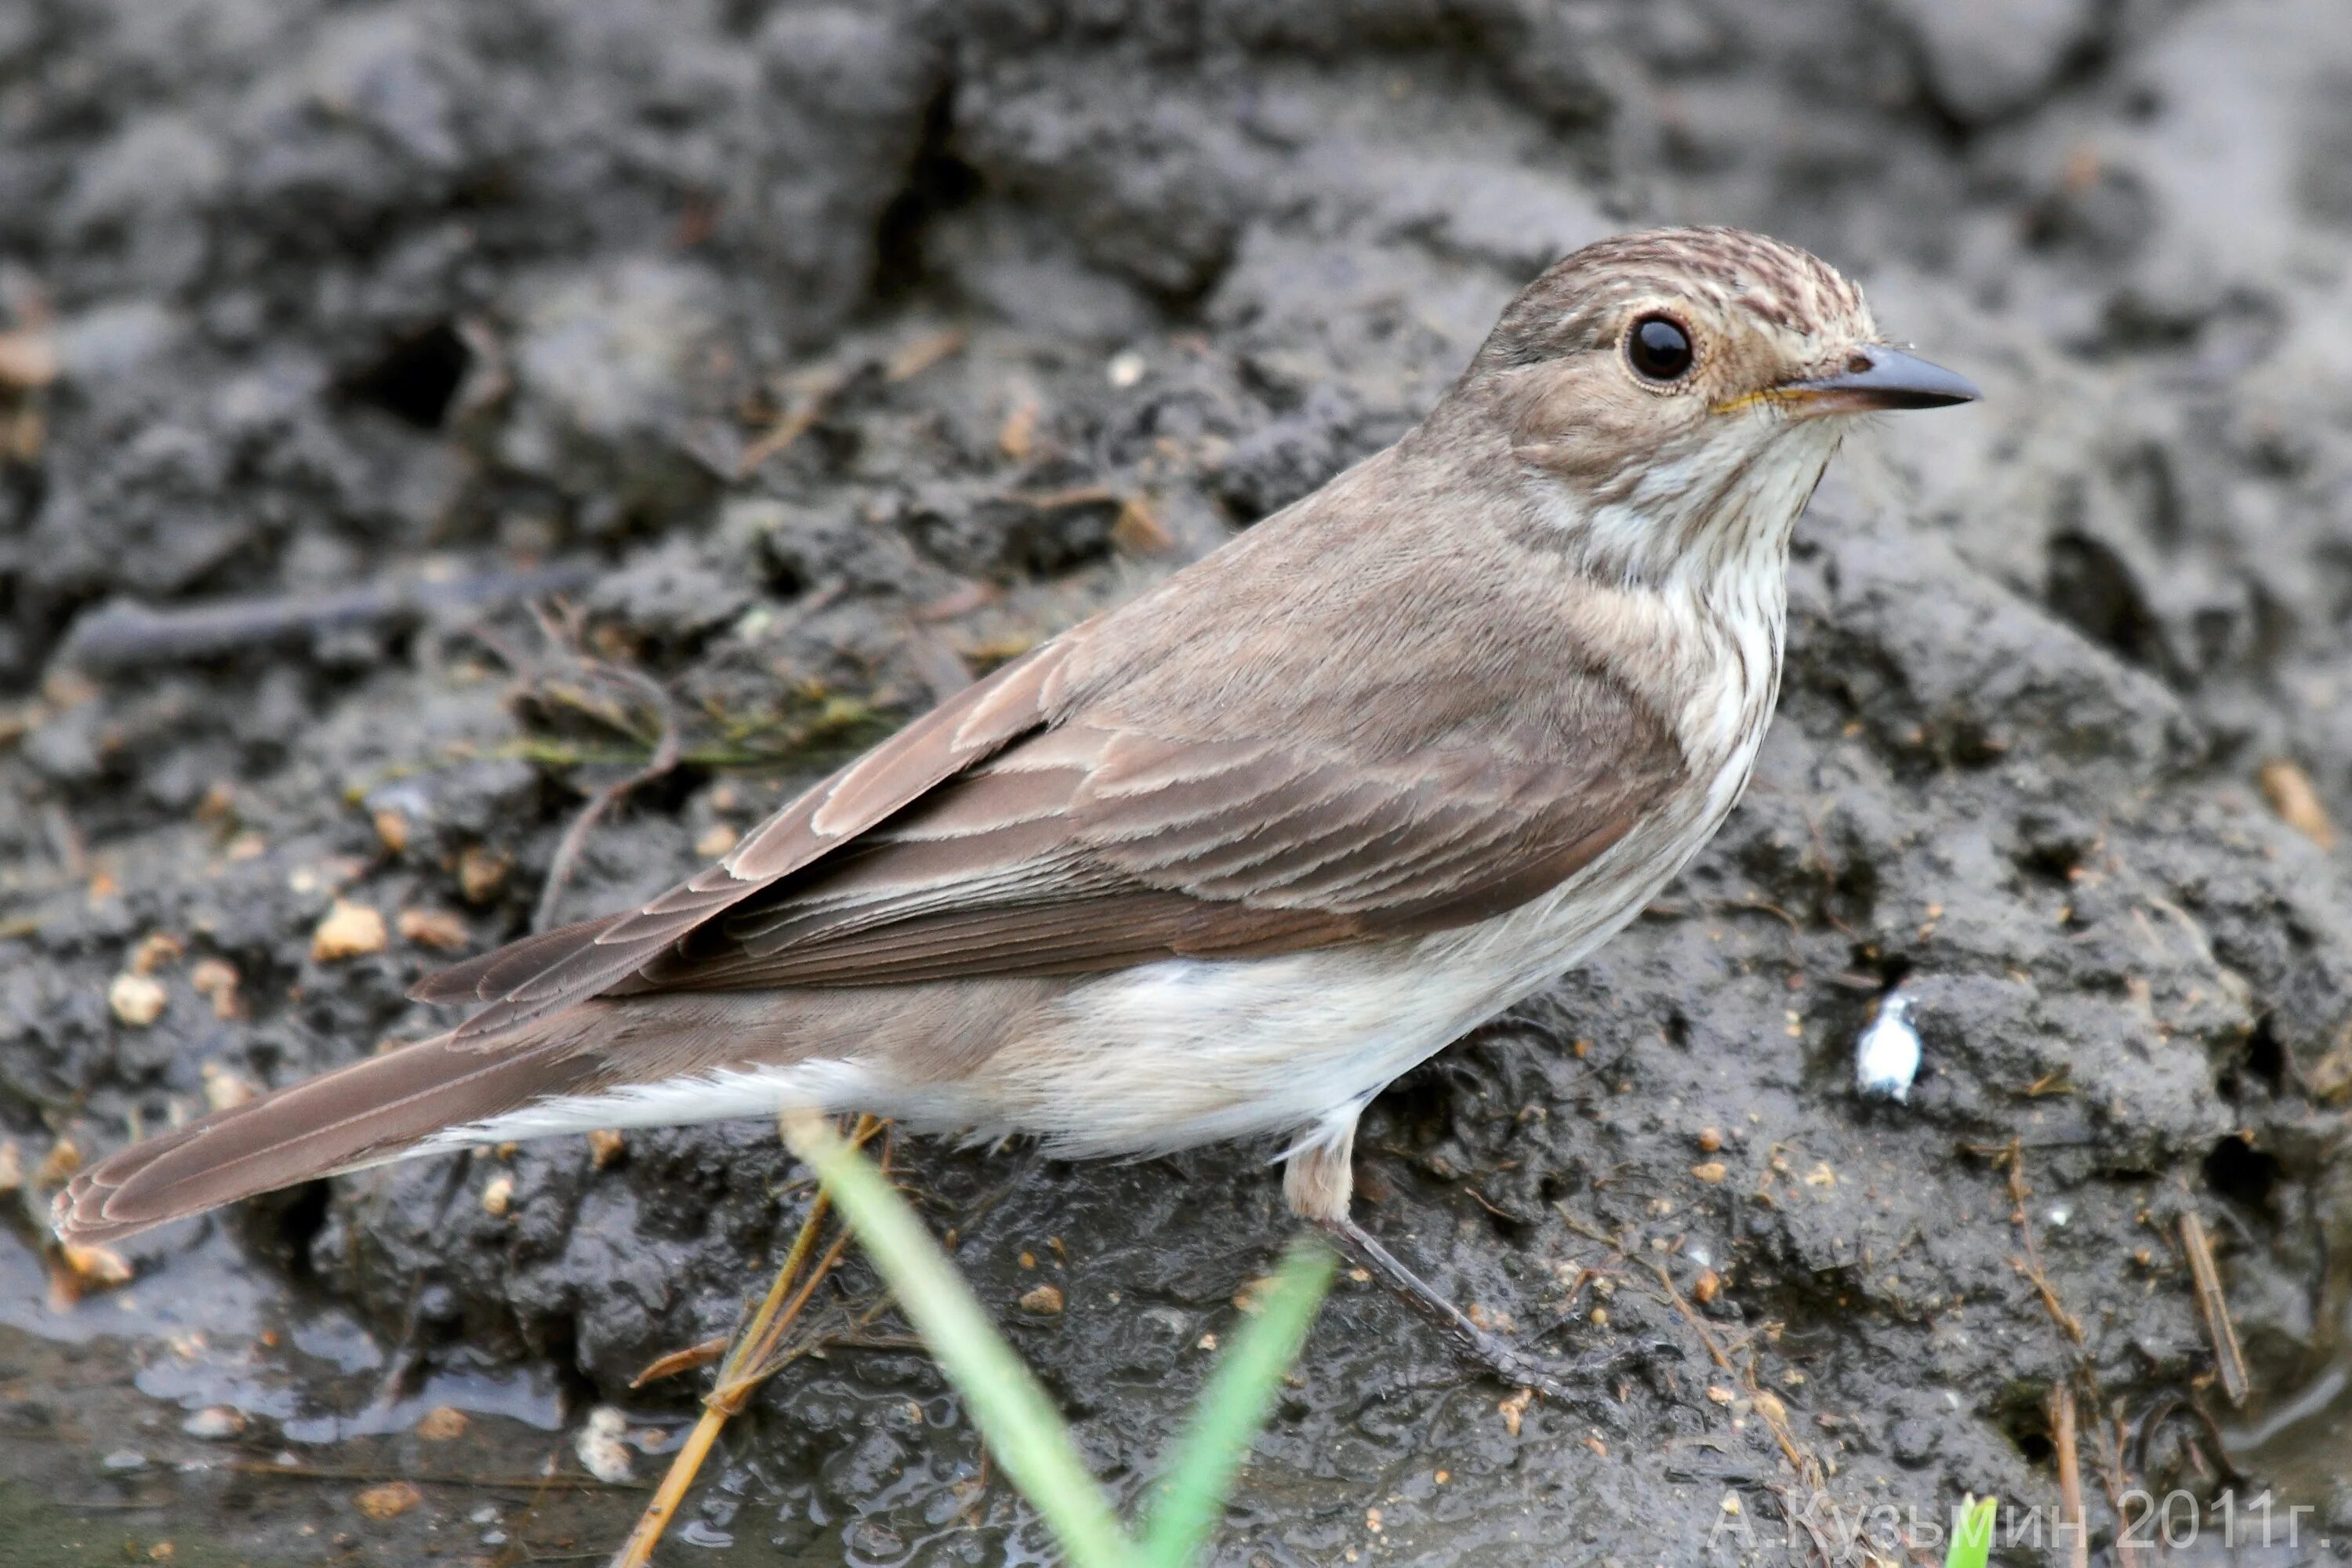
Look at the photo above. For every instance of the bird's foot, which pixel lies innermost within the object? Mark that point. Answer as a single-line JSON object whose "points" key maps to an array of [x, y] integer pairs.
{"points": [[1582, 1381]]}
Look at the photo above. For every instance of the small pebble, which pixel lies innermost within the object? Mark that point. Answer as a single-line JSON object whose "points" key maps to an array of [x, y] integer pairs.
{"points": [[349, 931], [391, 830], [224, 1088], [214, 1423], [156, 950], [605, 1146], [441, 1423], [1017, 437], [136, 999], [2292, 794], [389, 1500], [1124, 369], [498, 1195], [1045, 1300], [214, 979], [481, 872], [603, 1446], [28, 358], [123, 1460], [97, 1268]]}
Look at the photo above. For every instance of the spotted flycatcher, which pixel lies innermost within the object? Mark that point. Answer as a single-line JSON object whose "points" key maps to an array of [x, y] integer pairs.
{"points": [[1225, 860]]}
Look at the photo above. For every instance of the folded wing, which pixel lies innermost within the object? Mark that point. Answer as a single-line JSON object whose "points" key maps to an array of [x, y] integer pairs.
{"points": [[1092, 845], [1021, 830]]}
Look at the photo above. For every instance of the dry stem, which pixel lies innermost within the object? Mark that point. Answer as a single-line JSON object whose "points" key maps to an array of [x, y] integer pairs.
{"points": [[751, 1362]]}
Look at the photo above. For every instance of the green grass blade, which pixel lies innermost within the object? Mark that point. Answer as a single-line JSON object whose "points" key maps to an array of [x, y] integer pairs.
{"points": [[1019, 1422], [1972, 1534], [1234, 1406]]}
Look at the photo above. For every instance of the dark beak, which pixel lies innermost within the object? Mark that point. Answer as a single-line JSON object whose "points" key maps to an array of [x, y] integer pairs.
{"points": [[1878, 378]]}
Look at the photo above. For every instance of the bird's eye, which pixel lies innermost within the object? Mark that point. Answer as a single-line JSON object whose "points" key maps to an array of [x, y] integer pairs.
{"points": [[1659, 348]]}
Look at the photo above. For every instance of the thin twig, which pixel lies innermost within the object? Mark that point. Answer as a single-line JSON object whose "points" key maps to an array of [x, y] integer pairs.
{"points": [[516, 1549], [639, 1549], [126, 634], [2031, 1263], [2214, 1307], [754, 1357], [2073, 1526], [575, 838], [423, 1478], [1768, 1404], [1804, 1518], [1690, 1313], [814, 392], [2130, 1551], [676, 1362]]}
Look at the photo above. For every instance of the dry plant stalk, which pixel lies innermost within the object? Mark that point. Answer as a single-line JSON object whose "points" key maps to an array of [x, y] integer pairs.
{"points": [[2297, 800], [753, 1358], [2031, 1263], [664, 757], [2214, 1307], [2073, 1528], [2131, 1551], [1768, 1404]]}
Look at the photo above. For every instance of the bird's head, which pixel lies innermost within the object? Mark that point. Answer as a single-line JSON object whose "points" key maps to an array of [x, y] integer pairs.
{"points": [[1672, 398]]}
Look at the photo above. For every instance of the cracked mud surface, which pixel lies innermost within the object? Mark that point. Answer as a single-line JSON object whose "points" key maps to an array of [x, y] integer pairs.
{"points": [[833, 354]]}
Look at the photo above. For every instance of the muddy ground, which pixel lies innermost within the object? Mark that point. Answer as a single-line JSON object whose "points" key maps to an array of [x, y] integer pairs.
{"points": [[824, 356]]}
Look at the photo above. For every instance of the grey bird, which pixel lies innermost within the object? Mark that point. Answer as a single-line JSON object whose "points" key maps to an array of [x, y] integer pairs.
{"points": [[1225, 860]]}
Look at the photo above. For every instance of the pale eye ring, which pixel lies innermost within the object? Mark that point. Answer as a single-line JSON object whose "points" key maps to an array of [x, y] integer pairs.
{"points": [[1659, 349]]}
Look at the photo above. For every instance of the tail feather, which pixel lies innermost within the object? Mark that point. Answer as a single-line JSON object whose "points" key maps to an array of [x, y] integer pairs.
{"points": [[368, 1113]]}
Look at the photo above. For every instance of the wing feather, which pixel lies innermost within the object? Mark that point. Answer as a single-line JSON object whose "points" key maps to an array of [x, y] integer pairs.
{"points": [[1131, 846], [596, 955], [1016, 831]]}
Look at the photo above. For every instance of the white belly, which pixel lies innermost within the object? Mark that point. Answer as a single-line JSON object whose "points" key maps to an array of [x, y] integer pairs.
{"points": [[1191, 1051]]}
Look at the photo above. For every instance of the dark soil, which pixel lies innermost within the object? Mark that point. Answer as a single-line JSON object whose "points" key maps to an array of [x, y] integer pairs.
{"points": [[828, 356]]}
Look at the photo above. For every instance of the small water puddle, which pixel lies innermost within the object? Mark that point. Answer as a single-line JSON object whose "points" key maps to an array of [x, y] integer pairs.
{"points": [[213, 1407]]}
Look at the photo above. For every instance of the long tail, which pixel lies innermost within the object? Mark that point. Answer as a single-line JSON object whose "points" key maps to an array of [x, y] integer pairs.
{"points": [[368, 1113]]}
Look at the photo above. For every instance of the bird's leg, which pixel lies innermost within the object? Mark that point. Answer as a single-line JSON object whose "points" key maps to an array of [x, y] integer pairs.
{"points": [[1319, 1181]]}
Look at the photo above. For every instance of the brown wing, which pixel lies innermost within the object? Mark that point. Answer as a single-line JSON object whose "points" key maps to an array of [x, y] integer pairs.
{"points": [[1092, 847], [533, 977]]}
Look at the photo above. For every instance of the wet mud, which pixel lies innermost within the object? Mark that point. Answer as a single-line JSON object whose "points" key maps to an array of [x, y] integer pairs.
{"points": [[829, 355]]}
